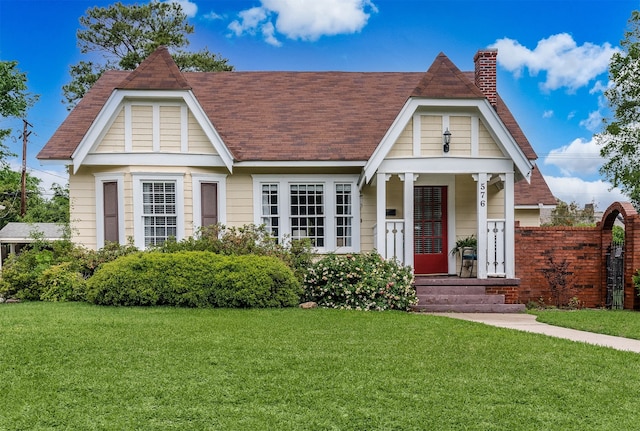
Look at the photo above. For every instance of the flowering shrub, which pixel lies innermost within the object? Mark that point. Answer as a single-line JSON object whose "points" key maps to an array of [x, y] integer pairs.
{"points": [[363, 281]]}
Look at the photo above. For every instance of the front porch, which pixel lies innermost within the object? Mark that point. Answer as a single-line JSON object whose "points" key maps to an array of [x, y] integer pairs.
{"points": [[463, 295], [419, 218], [495, 258]]}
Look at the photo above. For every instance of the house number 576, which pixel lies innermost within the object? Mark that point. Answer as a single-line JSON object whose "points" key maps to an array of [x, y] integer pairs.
{"points": [[483, 194]]}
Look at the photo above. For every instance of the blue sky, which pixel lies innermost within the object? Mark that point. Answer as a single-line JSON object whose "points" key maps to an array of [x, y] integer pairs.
{"points": [[552, 59]]}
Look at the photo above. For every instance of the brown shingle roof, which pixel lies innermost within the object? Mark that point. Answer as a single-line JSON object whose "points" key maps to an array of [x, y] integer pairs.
{"points": [[302, 115], [296, 116], [66, 138], [156, 72], [444, 80], [534, 193]]}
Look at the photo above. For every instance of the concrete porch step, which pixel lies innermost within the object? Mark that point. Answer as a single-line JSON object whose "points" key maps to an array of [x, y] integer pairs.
{"points": [[449, 299], [449, 290], [469, 308]]}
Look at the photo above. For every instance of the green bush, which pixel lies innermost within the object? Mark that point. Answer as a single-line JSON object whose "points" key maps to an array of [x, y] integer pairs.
{"points": [[360, 281], [21, 274], [62, 282], [248, 239], [194, 279]]}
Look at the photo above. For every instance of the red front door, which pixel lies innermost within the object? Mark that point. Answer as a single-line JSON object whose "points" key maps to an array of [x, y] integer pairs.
{"points": [[430, 230]]}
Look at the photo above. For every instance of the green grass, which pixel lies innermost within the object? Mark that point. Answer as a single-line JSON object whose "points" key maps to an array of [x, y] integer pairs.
{"points": [[621, 323], [82, 367]]}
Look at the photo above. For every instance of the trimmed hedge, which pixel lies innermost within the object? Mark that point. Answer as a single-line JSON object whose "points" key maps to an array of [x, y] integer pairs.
{"points": [[194, 279]]}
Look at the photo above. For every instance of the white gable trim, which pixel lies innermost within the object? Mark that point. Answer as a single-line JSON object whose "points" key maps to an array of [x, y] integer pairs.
{"points": [[494, 125], [117, 100], [154, 159]]}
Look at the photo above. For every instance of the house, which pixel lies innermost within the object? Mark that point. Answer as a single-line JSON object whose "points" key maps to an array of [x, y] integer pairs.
{"points": [[404, 163], [15, 236]]}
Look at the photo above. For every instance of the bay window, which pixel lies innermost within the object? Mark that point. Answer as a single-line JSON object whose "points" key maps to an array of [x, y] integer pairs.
{"points": [[322, 208]]}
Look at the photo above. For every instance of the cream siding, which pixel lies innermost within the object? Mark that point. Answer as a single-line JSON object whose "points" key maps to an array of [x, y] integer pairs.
{"points": [[142, 128], [113, 141], [431, 135], [465, 211], [239, 199], [198, 141], [495, 202], [403, 146], [395, 190], [82, 207], [528, 217], [170, 129], [460, 128], [487, 147], [368, 217]]}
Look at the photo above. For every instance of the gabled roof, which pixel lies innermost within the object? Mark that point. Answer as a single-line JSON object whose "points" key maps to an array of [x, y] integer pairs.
{"points": [[444, 80], [156, 72], [535, 193], [68, 136], [284, 116]]}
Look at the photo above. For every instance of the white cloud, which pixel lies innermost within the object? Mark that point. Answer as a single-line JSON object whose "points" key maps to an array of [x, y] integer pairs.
{"points": [[593, 122], [572, 189], [578, 157], [189, 8], [305, 20], [565, 63], [212, 16], [249, 21], [547, 114]]}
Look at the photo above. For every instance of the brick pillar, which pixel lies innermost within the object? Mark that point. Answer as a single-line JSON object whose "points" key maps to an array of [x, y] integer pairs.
{"points": [[485, 69]]}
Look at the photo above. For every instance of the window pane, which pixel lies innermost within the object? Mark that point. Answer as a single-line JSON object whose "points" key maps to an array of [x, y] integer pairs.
{"points": [[159, 211], [344, 217], [306, 212], [270, 217]]}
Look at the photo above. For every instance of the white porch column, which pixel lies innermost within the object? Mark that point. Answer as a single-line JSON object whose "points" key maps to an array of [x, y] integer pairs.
{"points": [[509, 234], [381, 214], [481, 202], [409, 178]]}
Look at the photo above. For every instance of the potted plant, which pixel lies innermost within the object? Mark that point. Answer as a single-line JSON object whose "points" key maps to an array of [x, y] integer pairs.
{"points": [[466, 242]]}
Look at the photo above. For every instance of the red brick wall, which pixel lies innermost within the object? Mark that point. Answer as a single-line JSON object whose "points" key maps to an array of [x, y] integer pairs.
{"points": [[582, 249]]}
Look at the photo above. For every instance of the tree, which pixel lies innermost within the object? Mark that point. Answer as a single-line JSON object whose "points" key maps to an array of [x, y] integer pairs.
{"points": [[570, 214], [125, 35], [14, 98], [621, 137], [39, 209]]}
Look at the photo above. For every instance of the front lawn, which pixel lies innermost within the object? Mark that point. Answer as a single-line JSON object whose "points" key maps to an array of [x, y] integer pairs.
{"points": [[78, 366], [621, 323]]}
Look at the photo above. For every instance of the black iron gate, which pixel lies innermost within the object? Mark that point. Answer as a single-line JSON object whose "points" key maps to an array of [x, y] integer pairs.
{"points": [[615, 276]]}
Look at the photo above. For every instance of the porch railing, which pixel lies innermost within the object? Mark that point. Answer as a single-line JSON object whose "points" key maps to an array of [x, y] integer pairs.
{"points": [[496, 254], [394, 245], [394, 239]]}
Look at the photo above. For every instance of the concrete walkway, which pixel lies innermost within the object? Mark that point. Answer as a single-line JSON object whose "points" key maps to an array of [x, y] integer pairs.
{"points": [[528, 323]]}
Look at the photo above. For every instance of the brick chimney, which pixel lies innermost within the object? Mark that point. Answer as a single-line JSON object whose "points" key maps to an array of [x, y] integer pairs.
{"points": [[485, 61]]}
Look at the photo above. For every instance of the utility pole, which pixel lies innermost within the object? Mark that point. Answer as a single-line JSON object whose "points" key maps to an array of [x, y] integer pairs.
{"points": [[23, 194]]}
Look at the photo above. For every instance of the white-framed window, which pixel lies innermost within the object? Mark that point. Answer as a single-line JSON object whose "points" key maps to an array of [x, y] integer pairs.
{"points": [[323, 208], [270, 212], [158, 208], [109, 193], [344, 214], [201, 198]]}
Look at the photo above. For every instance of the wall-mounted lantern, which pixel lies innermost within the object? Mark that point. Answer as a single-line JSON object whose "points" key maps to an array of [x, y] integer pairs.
{"points": [[447, 139]]}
